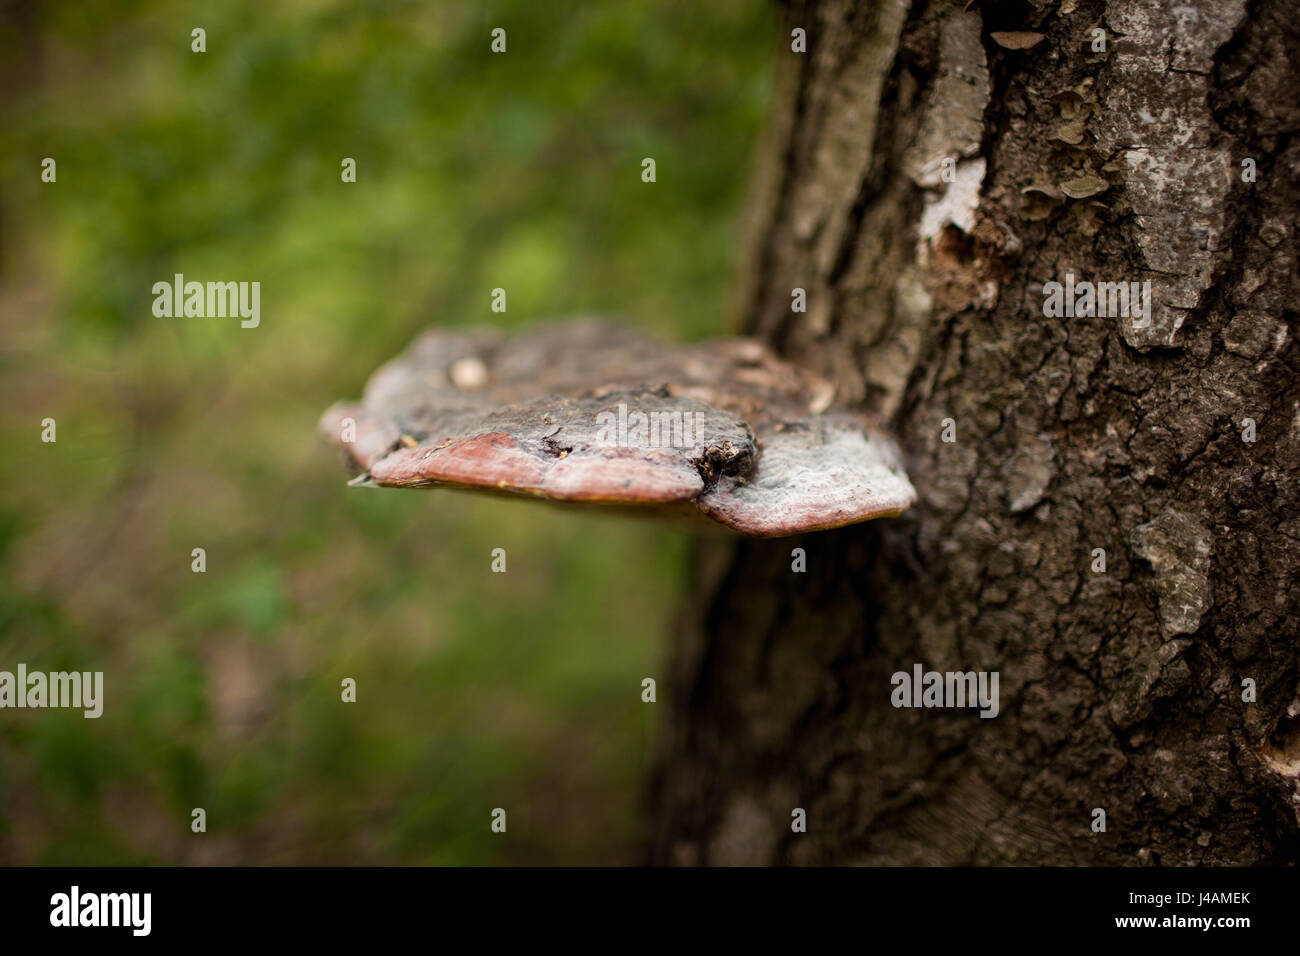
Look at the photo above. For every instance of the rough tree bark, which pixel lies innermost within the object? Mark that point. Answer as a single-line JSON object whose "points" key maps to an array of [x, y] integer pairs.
{"points": [[1123, 689]]}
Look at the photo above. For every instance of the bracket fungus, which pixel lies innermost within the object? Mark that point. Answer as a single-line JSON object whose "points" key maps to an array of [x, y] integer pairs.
{"points": [[589, 412]]}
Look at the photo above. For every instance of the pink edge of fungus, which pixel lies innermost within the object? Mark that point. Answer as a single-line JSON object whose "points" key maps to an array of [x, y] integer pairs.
{"points": [[492, 460], [622, 475], [495, 461]]}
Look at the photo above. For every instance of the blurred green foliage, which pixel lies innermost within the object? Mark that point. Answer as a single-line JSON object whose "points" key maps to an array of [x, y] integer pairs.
{"points": [[475, 171]]}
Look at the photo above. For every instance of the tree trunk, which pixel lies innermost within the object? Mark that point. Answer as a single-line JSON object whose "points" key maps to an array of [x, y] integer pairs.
{"points": [[1128, 689]]}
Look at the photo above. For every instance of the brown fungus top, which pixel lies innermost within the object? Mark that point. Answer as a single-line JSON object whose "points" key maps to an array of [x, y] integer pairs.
{"points": [[585, 411]]}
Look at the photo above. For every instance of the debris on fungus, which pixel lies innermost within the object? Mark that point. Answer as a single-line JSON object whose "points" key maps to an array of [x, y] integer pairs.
{"points": [[588, 412]]}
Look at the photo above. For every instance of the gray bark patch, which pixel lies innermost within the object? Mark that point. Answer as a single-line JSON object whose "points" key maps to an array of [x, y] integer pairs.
{"points": [[1178, 549]]}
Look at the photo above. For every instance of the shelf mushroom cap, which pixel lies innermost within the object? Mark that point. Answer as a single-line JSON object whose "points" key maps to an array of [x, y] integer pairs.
{"points": [[586, 411]]}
